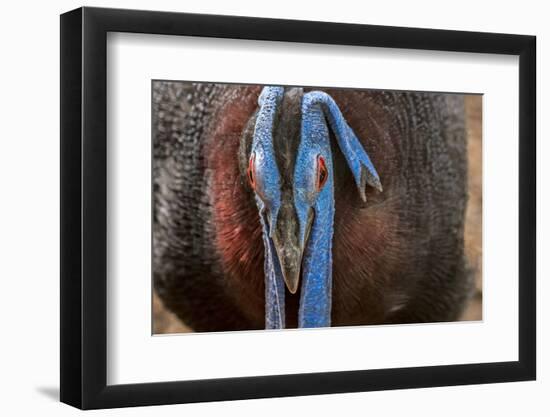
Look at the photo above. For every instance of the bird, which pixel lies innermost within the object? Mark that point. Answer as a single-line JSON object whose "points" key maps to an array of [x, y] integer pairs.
{"points": [[288, 207]]}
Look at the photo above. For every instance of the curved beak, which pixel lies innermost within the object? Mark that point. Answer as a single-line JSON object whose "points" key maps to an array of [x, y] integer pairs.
{"points": [[289, 248], [290, 259]]}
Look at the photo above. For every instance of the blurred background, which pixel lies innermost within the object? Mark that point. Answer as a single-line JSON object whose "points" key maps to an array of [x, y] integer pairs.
{"points": [[166, 322]]}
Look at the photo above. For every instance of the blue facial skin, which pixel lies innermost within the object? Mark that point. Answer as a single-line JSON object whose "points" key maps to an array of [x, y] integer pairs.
{"points": [[316, 291]]}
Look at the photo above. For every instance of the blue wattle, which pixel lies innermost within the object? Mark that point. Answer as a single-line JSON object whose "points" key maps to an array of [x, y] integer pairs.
{"points": [[316, 294], [274, 286]]}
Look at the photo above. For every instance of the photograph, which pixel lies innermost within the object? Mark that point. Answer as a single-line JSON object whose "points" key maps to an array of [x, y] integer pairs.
{"points": [[268, 206], [288, 207]]}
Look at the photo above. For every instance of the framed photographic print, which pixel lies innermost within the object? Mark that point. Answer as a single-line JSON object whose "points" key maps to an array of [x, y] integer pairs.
{"points": [[256, 208]]}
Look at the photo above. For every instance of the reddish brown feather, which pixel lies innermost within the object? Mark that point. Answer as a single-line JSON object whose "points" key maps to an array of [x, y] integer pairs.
{"points": [[238, 229]]}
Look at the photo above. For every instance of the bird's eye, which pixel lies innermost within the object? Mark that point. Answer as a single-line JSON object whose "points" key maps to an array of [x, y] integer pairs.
{"points": [[322, 172], [251, 173]]}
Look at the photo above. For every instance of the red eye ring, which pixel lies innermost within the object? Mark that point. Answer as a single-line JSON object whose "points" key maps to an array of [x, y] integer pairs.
{"points": [[251, 172], [322, 172]]}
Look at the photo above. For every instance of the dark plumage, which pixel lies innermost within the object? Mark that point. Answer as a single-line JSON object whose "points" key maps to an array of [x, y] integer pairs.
{"points": [[208, 252]]}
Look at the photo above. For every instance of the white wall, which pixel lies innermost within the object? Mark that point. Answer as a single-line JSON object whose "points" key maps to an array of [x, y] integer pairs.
{"points": [[29, 175]]}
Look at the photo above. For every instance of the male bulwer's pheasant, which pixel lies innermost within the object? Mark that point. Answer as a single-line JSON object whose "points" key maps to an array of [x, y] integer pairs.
{"points": [[278, 207]]}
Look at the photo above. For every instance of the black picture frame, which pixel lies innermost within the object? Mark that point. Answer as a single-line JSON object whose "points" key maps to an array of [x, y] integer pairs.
{"points": [[84, 207]]}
